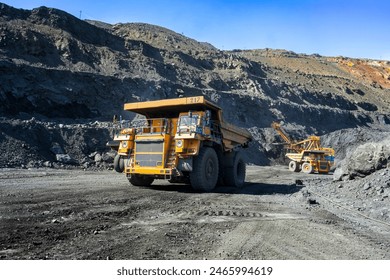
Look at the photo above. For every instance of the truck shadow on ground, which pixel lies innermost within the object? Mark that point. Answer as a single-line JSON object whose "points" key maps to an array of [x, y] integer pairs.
{"points": [[249, 189], [266, 189]]}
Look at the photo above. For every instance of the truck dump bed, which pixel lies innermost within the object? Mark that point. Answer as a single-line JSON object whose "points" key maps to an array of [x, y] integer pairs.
{"points": [[232, 136], [171, 107]]}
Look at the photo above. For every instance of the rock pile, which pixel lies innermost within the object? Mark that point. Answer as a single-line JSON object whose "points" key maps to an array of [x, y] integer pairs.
{"points": [[33, 143]]}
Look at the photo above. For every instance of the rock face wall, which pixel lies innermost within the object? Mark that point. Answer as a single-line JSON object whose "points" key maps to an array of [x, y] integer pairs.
{"points": [[58, 69]]}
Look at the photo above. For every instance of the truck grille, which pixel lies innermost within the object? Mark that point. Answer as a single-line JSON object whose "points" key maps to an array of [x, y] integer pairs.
{"points": [[149, 153], [148, 160], [323, 165]]}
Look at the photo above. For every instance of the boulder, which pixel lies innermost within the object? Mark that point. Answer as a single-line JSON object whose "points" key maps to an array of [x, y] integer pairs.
{"points": [[98, 157], [364, 160], [47, 164], [368, 158], [64, 158], [108, 157], [92, 155], [340, 174], [56, 149]]}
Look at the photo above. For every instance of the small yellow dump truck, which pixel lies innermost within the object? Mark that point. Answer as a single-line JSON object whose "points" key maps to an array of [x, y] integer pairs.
{"points": [[306, 155], [183, 140]]}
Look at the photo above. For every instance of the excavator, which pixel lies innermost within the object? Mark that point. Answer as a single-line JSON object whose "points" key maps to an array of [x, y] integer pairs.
{"points": [[306, 155]]}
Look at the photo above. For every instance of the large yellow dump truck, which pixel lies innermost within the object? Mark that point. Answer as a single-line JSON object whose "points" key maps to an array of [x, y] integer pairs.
{"points": [[181, 140]]}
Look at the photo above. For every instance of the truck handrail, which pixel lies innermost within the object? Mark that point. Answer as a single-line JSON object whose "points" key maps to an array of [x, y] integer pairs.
{"points": [[144, 126]]}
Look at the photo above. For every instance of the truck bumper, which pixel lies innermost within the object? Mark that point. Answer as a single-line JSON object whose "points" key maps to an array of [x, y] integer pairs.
{"points": [[149, 171]]}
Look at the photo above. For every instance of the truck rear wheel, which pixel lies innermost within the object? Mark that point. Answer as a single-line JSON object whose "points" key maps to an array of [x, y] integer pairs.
{"points": [[204, 176], [293, 166], [139, 180], [307, 168], [235, 175]]}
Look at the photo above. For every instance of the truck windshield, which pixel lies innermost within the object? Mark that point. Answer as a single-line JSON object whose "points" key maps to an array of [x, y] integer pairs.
{"points": [[187, 121]]}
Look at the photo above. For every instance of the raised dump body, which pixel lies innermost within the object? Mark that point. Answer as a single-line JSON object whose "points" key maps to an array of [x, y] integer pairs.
{"points": [[183, 140]]}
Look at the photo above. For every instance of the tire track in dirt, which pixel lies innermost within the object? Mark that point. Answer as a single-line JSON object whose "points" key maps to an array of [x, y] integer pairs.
{"points": [[286, 239]]}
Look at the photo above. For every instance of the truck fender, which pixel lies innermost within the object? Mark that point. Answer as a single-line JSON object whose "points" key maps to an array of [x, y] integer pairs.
{"points": [[185, 164]]}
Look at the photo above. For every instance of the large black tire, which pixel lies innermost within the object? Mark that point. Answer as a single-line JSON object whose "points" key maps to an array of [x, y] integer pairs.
{"points": [[221, 161], [204, 176], [293, 166], [140, 180], [119, 163], [235, 175], [307, 168]]}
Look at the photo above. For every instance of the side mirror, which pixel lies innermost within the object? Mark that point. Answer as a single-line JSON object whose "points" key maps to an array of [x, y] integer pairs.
{"points": [[207, 117]]}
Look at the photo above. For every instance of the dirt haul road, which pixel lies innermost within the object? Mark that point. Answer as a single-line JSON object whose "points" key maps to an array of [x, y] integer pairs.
{"points": [[74, 214]]}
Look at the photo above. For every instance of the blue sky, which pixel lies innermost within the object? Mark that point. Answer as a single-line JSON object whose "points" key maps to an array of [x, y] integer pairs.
{"points": [[350, 28]]}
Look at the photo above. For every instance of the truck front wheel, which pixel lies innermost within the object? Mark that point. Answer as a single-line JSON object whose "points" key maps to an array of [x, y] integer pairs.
{"points": [[119, 164], [307, 168], [204, 176]]}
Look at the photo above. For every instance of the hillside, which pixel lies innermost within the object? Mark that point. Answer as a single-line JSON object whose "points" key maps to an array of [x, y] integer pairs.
{"points": [[61, 74]]}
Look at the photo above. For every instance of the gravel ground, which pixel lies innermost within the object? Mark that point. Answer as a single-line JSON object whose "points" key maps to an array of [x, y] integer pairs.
{"points": [[75, 214]]}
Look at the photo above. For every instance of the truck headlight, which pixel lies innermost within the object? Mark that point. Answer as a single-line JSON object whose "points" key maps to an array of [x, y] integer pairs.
{"points": [[179, 143], [124, 144]]}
